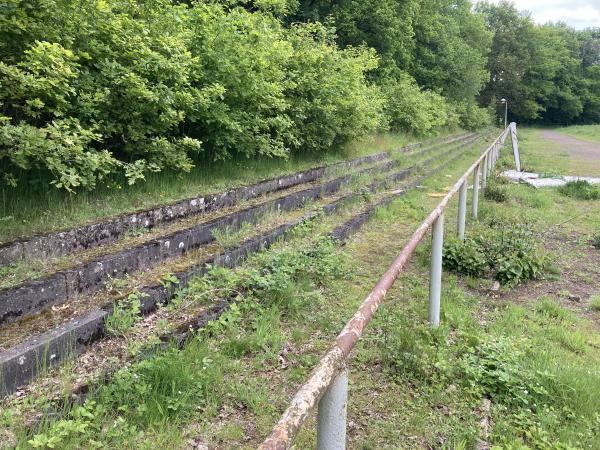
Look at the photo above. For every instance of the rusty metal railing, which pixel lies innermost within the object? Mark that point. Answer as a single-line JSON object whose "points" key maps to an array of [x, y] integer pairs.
{"points": [[328, 382]]}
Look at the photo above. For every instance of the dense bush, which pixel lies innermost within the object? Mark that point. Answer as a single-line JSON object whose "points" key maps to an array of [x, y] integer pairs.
{"points": [[508, 252], [581, 190], [91, 88], [409, 108]]}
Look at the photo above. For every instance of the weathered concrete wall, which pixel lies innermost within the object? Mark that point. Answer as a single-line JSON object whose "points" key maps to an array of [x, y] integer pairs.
{"points": [[62, 286]]}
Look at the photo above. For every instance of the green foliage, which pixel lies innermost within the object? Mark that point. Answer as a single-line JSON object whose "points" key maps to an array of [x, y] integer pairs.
{"points": [[507, 251], [596, 240], [546, 72], [581, 190], [411, 109], [124, 315], [331, 101], [434, 50], [496, 192], [108, 87], [465, 257]]}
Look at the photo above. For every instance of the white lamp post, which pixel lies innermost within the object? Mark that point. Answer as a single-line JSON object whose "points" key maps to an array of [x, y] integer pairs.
{"points": [[505, 103]]}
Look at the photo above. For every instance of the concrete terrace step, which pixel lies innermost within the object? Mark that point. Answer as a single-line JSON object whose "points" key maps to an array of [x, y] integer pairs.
{"points": [[66, 284], [88, 236], [23, 362]]}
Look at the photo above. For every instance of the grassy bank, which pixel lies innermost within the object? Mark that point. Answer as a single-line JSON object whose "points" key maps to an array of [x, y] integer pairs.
{"points": [[31, 208]]}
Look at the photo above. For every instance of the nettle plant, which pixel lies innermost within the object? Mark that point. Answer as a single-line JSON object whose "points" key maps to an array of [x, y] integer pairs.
{"points": [[509, 252]]}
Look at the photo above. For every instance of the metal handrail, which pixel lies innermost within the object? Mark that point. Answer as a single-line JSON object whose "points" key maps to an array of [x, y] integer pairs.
{"points": [[328, 382]]}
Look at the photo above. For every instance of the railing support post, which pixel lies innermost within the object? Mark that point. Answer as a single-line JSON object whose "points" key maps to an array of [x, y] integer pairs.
{"points": [[475, 204], [462, 210], [484, 170], [331, 420], [435, 278]]}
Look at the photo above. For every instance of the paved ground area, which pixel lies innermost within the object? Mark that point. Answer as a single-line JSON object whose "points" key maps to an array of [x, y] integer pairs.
{"points": [[580, 150]]}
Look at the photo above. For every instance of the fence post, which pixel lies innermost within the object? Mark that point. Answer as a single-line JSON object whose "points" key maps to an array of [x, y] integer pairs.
{"points": [[435, 278], [331, 420], [475, 204], [462, 210], [484, 172]]}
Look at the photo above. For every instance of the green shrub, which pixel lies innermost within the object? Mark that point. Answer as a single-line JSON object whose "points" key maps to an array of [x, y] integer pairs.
{"points": [[93, 89], [331, 102], [581, 190], [508, 252], [411, 109], [495, 192], [596, 240], [473, 117], [465, 257]]}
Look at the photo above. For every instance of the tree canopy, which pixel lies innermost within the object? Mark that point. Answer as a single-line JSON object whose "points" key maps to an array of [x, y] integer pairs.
{"points": [[95, 91]]}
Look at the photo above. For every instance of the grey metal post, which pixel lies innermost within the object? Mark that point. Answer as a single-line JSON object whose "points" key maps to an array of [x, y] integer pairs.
{"points": [[435, 278], [484, 172], [462, 210], [331, 426], [475, 204]]}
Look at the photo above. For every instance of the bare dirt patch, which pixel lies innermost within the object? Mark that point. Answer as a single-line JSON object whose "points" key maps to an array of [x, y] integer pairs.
{"points": [[578, 280]]}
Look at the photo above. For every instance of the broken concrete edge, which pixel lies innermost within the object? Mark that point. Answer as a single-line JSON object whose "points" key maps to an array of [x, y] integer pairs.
{"points": [[59, 243], [537, 181], [32, 358], [35, 295]]}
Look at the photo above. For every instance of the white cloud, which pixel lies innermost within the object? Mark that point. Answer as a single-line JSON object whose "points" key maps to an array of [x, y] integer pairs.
{"points": [[577, 13]]}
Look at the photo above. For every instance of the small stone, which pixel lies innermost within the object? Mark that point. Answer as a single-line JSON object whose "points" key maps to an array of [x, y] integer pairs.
{"points": [[574, 298], [496, 286]]}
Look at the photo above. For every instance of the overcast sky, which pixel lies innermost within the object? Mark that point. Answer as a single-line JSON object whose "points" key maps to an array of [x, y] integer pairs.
{"points": [[577, 13]]}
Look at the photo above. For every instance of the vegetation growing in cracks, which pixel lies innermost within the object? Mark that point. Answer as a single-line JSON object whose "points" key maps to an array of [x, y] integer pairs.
{"points": [[279, 282], [507, 251]]}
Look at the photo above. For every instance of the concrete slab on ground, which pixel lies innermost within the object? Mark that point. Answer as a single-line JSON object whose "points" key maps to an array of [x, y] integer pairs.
{"points": [[535, 180]]}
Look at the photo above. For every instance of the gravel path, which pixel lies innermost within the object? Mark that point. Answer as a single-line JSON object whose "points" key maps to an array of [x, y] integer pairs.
{"points": [[578, 149]]}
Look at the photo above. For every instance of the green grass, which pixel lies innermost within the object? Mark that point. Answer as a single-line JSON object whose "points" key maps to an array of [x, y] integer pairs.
{"points": [[586, 132], [595, 303], [548, 158], [539, 155], [33, 208], [231, 236], [581, 190]]}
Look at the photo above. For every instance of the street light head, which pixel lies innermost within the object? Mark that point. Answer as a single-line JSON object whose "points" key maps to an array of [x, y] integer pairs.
{"points": [[503, 100]]}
